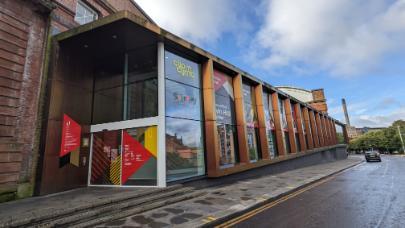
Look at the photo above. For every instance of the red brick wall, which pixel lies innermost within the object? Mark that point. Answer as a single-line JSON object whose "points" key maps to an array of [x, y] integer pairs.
{"points": [[320, 106], [22, 35], [319, 100], [23, 29]]}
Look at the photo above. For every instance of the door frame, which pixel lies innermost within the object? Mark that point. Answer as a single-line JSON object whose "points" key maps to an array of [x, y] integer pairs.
{"points": [[122, 125]]}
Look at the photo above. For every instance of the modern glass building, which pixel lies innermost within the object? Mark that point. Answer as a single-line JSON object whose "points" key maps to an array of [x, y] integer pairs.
{"points": [[130, 104]]}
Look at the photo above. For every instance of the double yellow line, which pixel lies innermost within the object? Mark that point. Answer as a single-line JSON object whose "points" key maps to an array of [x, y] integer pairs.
{"points": [[256, 211]]}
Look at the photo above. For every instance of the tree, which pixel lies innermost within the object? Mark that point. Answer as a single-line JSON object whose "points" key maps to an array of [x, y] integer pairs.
{"points": [[384, 140]]}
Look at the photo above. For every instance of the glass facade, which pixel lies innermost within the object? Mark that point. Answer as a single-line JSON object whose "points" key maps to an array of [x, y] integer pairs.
{"points": [[252, 128], [226, 120], [125, 87], [295, 127], [125, 157], [270, 125], [339, 134], [284, 125], [304, 129], [316, 130], [184, 129]]}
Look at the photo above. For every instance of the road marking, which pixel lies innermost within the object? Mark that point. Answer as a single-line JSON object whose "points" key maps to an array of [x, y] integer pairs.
{"points": [[256, 211], [209, 219]]}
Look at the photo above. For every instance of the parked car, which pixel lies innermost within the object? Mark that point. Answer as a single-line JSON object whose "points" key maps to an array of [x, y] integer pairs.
{"points": [[372, 156]]}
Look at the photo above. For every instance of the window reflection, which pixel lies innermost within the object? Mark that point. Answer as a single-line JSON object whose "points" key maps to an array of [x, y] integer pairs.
{"points": [[284, 126], [339, 134], [126, 83], [313, 123], [270, 126], [295, 127], [227, 143], [108, 90], [184, 149], [252, 128], [182, 101], [226, 123], [184, 139]]}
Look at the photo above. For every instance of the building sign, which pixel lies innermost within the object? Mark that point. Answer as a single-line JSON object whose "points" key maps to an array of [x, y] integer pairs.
{"points": [[71, 133], [134, 156], [182, 70]]}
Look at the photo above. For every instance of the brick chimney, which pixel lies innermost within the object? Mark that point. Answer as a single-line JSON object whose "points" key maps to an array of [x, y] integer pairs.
{"points": [[319, 100]]}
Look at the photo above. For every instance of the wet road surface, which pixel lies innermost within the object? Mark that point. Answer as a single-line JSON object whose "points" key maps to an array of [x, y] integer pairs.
{"points": [[368, 195]]}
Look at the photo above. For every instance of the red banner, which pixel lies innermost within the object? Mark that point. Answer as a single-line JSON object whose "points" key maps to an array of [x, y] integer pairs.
{"points": [[71, 133], [134, 156]]}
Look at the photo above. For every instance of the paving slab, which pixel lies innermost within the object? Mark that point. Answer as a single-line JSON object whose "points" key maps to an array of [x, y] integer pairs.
{"points": [[225, 201], [69, 200]]}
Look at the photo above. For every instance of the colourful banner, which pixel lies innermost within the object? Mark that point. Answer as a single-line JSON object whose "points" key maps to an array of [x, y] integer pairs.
{"points": [[135, 155], [71, 133]]}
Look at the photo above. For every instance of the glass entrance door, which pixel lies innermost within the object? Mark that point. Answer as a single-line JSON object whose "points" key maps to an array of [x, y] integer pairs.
{"points": [[125, 157], [106, 158]]}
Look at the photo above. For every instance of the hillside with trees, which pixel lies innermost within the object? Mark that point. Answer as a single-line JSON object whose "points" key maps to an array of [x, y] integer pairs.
{"points": [[386, 140]]}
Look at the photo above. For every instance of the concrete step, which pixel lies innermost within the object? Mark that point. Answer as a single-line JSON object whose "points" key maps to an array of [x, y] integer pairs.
{"points": [[138, 209], [94, 216], [48, 215]]}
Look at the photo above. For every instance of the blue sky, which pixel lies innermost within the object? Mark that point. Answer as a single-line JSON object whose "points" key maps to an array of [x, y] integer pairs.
{"points": [[354, 54]]}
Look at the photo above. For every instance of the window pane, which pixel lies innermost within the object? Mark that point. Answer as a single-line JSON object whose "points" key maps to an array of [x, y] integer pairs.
{"points": [[295, 128], [182, 101], [249, 105], [142, 88], [182, 70], [139, 156], [106, 156], [223, 84], [107, 105], [283, 116], [339, 134], [287, 142], [270, 127], [84, 14], [224, 99], [228, 145], [225, 109], [142, 99], [252, 143], [184, 149]]}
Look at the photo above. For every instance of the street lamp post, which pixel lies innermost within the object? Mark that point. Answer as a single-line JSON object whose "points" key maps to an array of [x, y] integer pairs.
{"points": [[402, 141]]}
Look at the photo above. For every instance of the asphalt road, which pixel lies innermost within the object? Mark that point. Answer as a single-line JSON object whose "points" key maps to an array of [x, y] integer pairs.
{"points": [[368, 195]]}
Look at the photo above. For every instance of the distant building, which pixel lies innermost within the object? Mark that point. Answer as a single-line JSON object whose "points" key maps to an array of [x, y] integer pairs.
{"points": [[355, 132], [315, 98]]}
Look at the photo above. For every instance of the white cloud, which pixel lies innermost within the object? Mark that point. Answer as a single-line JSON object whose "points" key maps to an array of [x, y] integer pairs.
{"points": [[198, 21], [380, 112], [343, 37], [379, 120]]}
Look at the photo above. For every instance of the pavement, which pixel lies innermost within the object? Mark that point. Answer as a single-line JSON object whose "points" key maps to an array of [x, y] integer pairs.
{"points": [[199, 203], [223, 202], [369, 195]]}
